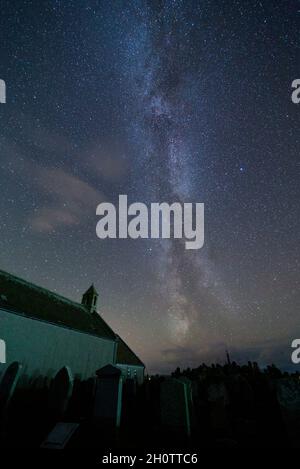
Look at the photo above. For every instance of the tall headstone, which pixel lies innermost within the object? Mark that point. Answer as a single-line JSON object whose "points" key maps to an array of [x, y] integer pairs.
{"points": [[174, 404], [8, 383], [131, 387], [9, 380], [218, 399], [189, 391], [108, 396], [60, 392], [189, 387], [288, 395]]}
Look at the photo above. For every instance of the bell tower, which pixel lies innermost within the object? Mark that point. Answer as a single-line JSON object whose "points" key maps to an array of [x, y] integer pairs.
{"points": [[89, 299]]}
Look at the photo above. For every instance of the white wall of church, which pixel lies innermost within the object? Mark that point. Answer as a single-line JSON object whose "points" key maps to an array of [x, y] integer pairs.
{"points": [[43, 348]]}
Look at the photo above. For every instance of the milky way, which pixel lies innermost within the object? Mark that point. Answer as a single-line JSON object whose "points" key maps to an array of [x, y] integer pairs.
{"points": [[162, 101]]}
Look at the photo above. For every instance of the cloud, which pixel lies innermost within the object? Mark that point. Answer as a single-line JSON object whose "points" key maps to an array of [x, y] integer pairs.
{"points": [[185, 356], [48, 219], [72, 200], [107, 160], [61, 198]]}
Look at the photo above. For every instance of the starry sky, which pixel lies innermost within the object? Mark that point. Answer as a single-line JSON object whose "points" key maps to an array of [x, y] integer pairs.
{"points": [[169, 101]]}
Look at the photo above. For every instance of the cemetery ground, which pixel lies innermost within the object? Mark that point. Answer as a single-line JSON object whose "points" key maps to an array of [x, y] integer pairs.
{"points": [[209, 406]]}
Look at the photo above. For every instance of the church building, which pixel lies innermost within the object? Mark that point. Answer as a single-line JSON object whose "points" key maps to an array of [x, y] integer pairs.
{"points": [[45, 332]]}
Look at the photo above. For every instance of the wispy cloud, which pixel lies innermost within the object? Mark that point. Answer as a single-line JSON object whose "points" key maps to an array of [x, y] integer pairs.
{"points": [[71, 200], [47, 219], [66, 195], [62, 199], [109, 161]]}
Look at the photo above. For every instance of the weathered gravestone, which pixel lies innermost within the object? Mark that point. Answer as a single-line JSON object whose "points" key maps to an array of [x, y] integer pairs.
{"points": [[174, 404], [58, 400], [189, 389], [108, 396], [60, 436], [288, 395], [131, 387], [218, 399], [9, 380], [60, 392]]}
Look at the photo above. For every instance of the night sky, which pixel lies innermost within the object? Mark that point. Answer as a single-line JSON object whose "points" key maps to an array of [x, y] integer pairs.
{"points": [[163, 101]]}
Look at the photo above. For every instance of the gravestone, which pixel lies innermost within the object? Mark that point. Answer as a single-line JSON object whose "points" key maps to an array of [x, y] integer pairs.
{"points": [[9, 380], [108, 396], [288, 396], [174, 404], [218, 399], [189, 390], [131, 387], [8, 383], [189, 387], [60, 436], [60, 392]]}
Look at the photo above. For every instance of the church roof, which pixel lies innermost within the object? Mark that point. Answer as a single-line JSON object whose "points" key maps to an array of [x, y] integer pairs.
{"points": [[125, 356], [36, 302]]}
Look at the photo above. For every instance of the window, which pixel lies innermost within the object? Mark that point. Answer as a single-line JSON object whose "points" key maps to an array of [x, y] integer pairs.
{"points": [[2, 351]]}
